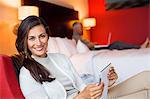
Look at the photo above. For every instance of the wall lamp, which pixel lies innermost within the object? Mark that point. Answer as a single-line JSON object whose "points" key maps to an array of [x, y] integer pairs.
{"points": [[89, 22], [25, 11]]}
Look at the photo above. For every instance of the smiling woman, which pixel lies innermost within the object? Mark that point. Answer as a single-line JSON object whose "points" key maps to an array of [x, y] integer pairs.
{"points": [[45, 75]]}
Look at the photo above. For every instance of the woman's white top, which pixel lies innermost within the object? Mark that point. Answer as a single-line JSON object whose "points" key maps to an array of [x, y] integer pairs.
{"points": [[66, 85], [61, 77]]}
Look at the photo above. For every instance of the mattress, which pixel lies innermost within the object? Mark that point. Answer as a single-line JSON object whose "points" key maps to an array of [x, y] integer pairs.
{"points": [[127, 63]]}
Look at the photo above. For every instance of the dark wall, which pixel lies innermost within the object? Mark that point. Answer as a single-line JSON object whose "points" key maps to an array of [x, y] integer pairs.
{"points": [[57, 17]]}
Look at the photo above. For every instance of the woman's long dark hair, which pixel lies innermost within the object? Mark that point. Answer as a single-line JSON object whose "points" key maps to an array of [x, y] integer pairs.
{"points": [[38, 72]]}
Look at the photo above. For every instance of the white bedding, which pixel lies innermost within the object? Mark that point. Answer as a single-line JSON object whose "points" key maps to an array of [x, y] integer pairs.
{"points": [[126, 62]]}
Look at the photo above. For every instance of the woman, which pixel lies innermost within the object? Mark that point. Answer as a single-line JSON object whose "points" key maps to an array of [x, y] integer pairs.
{"points": [[48, 76]]}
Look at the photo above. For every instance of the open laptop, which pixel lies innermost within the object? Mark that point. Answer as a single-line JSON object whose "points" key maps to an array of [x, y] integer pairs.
{"points": [[108, 41]]}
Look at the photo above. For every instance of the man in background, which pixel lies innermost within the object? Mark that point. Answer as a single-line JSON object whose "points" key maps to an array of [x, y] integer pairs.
{"points": [[78, 33]]}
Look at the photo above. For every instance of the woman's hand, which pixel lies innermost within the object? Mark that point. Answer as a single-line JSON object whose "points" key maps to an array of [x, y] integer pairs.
{"points": [[112, 76], [91, 91]]}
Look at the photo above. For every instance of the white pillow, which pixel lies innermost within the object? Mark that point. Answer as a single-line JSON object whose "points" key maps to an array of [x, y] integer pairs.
{"points": [[62, 46], [81, 47], [71, 46], [52, 45]]}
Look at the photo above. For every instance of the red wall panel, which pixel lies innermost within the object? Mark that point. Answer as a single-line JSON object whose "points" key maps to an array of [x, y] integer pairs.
{"points": [[127, 25]]}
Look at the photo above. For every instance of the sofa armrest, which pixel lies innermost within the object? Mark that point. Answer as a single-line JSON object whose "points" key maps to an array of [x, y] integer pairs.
{"points": [[9, 86]]}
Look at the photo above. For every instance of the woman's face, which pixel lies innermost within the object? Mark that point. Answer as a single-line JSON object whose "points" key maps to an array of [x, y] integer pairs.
{"points": [[37, 41]]}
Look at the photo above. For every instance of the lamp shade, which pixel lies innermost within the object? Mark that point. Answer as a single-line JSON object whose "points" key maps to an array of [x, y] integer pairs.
{"points": [[25, 11], [89, 22]]}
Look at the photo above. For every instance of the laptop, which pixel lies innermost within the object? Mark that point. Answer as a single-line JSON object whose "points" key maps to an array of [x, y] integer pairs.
{"points": [[108, 41]]}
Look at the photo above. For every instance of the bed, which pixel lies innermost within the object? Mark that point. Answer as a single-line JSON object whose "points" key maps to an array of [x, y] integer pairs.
{"points": [[127, 63]]}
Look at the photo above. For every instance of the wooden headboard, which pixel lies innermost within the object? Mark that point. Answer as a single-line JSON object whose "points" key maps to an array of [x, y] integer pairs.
{"points": [[57, 17]]}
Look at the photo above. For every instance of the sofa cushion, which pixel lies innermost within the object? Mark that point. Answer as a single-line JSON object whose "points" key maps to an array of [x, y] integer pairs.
{"points": [[134, 84]]}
